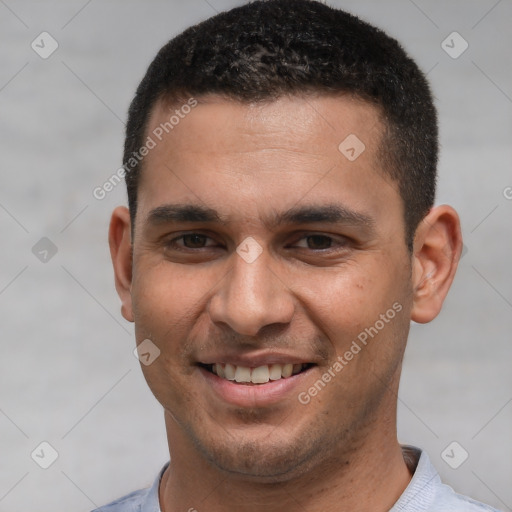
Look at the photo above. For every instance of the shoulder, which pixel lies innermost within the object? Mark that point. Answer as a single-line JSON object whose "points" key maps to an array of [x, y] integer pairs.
{"points": [[130, 503], [427, 493], [446, 499], [144, 500]]}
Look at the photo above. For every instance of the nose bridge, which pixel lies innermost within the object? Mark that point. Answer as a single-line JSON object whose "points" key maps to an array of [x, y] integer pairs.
{"points": [[251, 296]]}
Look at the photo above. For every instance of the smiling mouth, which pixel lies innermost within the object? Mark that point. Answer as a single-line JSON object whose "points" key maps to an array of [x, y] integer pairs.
{"points": [[259, 375]]}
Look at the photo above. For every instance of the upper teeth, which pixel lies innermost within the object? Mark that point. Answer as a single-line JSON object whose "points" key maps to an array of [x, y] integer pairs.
{"points": [[259, 375]]}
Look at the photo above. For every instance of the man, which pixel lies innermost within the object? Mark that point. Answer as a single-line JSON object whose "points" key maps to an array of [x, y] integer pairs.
{"points": [[281, 235]]}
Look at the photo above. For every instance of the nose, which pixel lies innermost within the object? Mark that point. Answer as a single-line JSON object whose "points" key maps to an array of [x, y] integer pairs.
{"points": [[250, 297]]}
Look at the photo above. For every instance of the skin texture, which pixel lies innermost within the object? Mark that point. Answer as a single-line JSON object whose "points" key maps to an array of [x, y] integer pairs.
{"points": [[316, 285]]}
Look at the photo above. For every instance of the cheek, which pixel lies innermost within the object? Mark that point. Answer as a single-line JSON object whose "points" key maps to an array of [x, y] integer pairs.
{"points": [[166, 302], [167, 298], [167, 380], [346, 302]]}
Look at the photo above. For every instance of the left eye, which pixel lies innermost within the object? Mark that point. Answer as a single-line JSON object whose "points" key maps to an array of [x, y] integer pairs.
{"points": [[315, 242]]}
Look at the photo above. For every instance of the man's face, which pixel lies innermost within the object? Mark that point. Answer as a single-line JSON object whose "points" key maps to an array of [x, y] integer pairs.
{"points": [[260, 244]]}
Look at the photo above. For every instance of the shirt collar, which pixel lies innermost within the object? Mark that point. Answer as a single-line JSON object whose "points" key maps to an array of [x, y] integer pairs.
{"points": [[420, 492]]}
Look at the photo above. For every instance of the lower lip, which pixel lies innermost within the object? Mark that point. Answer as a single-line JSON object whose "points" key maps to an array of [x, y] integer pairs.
{"points": [[255, 395]]}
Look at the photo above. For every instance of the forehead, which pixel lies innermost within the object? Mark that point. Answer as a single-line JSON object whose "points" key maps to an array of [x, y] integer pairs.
{"points": [[222, 151], [296, 120]]}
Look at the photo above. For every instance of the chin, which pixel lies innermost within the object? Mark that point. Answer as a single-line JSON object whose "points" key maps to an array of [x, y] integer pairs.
{"points": [[266, 459]]}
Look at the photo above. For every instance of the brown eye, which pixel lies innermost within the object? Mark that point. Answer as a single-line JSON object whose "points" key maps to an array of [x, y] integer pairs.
{"points": [[318, 242], [194, 241]]}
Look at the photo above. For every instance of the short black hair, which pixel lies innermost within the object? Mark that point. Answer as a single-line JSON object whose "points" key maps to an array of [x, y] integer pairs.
{"points": [[267, 49]]}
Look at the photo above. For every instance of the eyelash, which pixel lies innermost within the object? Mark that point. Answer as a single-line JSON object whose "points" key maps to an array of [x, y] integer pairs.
{"points": [[334, 242]]}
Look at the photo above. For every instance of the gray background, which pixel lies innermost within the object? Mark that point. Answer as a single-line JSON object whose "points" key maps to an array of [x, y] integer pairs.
{"points": [[68, 375]]}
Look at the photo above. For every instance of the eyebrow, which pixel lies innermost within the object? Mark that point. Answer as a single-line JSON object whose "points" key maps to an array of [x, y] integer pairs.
{"points": [[309, 214], [329, 213], [182, 213]]}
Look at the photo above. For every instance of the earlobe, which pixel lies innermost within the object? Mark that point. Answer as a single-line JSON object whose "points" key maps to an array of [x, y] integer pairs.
{"points": [[119, 239], [437, 249]]}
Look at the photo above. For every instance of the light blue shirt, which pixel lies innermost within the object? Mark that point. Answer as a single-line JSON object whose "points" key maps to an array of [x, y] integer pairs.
{"points": [[425, 493]]}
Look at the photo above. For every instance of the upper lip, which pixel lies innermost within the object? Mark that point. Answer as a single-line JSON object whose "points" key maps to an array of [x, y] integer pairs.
{"points": [[255, 359]]}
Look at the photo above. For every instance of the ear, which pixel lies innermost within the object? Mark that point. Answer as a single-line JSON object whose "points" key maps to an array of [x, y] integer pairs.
{"points": [[437, 249], [119, 239]]}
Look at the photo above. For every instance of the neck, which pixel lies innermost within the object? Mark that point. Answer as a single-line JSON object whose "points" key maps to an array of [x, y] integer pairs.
{"points": [[370, 476]]}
